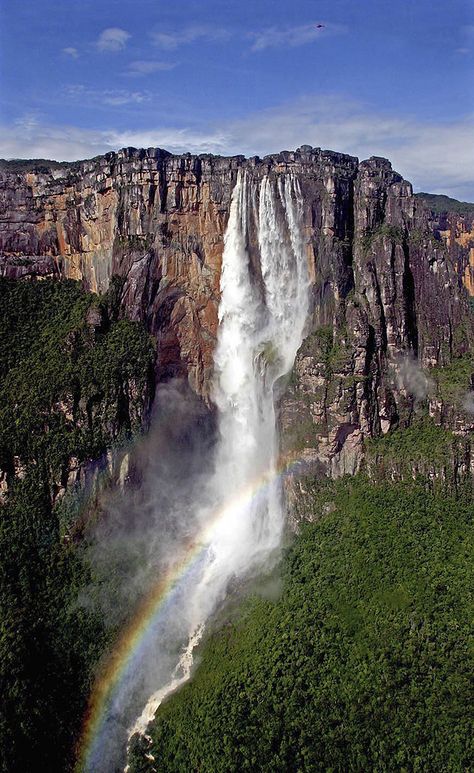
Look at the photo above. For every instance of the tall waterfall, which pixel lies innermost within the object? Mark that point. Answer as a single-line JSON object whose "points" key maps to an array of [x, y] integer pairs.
{"points": [[238, 515], [260, 329], [261, 323]]}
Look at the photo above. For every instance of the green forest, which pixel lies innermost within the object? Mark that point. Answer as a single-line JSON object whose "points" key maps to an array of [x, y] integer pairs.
{"points": [[67, 368], [364, 662]]}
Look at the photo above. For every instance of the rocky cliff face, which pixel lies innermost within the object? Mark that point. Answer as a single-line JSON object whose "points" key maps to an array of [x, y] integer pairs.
{"points": [[456, 230], [158, 221], [151, 218], [364, 372], [387, 286]]}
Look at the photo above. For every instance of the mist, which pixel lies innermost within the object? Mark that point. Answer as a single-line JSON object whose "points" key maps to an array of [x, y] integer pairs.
{"points": [[207, 494], [411, 378], [143, 524], [468, 402]]}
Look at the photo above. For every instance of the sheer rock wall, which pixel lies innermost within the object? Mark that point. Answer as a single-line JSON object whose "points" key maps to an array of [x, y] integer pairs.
{"points": [[388, 287]]}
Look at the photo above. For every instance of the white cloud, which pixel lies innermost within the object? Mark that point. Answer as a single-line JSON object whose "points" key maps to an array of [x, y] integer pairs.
{"points": [[176, 140], [147, 67], [71, 51], [64, 143], [172, 40], [112, 39], [109, 97], [290, 37], [434, 156]]}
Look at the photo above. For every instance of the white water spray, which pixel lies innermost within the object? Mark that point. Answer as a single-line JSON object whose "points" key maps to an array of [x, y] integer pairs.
{"points": [[262, 314]]}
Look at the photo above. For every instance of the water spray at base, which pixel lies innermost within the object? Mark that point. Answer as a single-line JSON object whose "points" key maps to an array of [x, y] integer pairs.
{"points": [[262, 314]]}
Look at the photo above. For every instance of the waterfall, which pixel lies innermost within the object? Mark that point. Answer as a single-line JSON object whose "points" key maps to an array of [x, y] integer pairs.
{"points": [[237, 517], [261, 324]]}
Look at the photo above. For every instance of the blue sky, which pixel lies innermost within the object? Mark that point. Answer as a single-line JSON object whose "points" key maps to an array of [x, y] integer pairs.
{"points": [[380, 77]]}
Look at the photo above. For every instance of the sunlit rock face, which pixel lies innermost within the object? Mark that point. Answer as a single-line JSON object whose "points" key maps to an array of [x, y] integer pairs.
{"points": [[385, 282], [158, 221], [151, 218]]}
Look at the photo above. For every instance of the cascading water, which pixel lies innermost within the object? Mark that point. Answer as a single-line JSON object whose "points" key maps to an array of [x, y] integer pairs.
{"points": [[239, 518], [260, 329]]}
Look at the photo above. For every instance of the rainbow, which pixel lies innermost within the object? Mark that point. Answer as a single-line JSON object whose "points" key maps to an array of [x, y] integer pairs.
{"points": [[128, 649]]}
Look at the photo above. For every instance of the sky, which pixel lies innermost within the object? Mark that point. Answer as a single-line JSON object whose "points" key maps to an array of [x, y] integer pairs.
{"points": [[392, 78]]}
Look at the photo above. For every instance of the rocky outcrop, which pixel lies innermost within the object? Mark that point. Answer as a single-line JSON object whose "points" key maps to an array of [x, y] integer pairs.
{"points": [[29, 267], [388, 289], [154, 219]]}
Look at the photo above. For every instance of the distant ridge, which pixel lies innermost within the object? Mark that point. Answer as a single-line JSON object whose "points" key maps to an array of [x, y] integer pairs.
{"points": [[439, 203]]}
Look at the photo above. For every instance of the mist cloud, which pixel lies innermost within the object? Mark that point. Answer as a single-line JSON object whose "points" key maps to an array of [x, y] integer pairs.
{"points": [[142, 528], [468, 402], [411, 378]]}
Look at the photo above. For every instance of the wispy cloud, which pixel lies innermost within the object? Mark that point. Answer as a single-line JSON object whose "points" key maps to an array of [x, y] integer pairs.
{"points": [[64, 143], [109, 97], [28, 139], [112, 39], [147, 67], [71, 51], [28, 124], [173, 39], [291, 37], [467, 36], [176, 140], [435, 156], [269, 37]]}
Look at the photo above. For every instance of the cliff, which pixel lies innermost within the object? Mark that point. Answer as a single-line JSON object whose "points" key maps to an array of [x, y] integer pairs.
{"points": [[452, 222], [388, 287], [75, 383]]}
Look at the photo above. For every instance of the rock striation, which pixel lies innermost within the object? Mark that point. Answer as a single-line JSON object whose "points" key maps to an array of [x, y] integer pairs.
{"points": [[388, 281]]}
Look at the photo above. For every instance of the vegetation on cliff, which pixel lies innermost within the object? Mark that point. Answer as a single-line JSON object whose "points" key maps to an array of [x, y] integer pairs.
{"points": [[425, 451], [362, 663], [73, 381]]}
